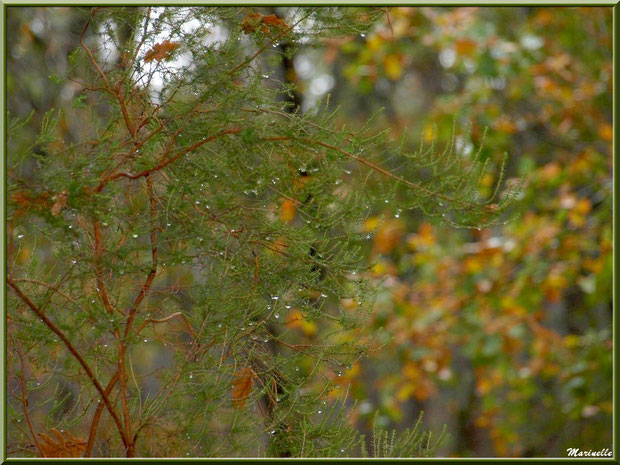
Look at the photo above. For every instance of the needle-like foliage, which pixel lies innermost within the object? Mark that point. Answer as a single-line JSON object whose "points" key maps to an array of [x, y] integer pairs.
{"points": [[161, 260]]}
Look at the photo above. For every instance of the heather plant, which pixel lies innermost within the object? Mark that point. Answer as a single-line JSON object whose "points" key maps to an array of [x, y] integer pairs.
{"points": [[162, 251]]}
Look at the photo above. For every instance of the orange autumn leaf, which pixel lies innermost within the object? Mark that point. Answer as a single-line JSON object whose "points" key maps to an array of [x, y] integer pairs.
{"points": [[288, 209], [63, 444], [606, 131], [242, 386], [387, 237], [161, 51], [465, 46]]}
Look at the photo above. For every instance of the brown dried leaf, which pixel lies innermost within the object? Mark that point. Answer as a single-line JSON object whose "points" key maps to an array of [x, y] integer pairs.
{"points": [[242, 386], [254, 21], [250, 23], [161, 51], [60, 202], [64, 444], [274, 21]]}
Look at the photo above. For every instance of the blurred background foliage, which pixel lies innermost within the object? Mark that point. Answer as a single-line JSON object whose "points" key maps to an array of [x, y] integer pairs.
{"points": [[503, 334]]}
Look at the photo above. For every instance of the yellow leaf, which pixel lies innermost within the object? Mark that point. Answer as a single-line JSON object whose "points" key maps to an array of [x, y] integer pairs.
{"points": [[393, 65], [371, 224], [296, 319]]}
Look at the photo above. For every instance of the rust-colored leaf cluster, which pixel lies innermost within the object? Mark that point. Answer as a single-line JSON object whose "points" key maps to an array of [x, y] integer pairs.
{"points": [[62, 444], [37, 202], [266, 24], [161, 51], [242, 386]]}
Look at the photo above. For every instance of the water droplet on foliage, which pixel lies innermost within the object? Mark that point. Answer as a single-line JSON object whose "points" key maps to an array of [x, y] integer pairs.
{"points": [[191, 375], [135, 236], [19, 236], [277, 315]]}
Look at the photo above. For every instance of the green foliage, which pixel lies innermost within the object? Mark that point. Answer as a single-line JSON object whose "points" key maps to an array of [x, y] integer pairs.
{"points": [[189, 223]]}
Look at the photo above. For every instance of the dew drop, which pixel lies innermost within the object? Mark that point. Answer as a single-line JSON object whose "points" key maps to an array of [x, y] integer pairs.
{"points": [[19, 236], [191, 375], [277, 315], [135, 236]]}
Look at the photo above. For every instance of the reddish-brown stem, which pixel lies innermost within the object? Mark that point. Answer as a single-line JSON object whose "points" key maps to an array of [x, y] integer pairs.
{"points": [[24, 399], [98, 271], [164, 320], [97, 416], [49, 286], [131, 313], [167, 161], [116, 93], [76, 354], [263, 48]]}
